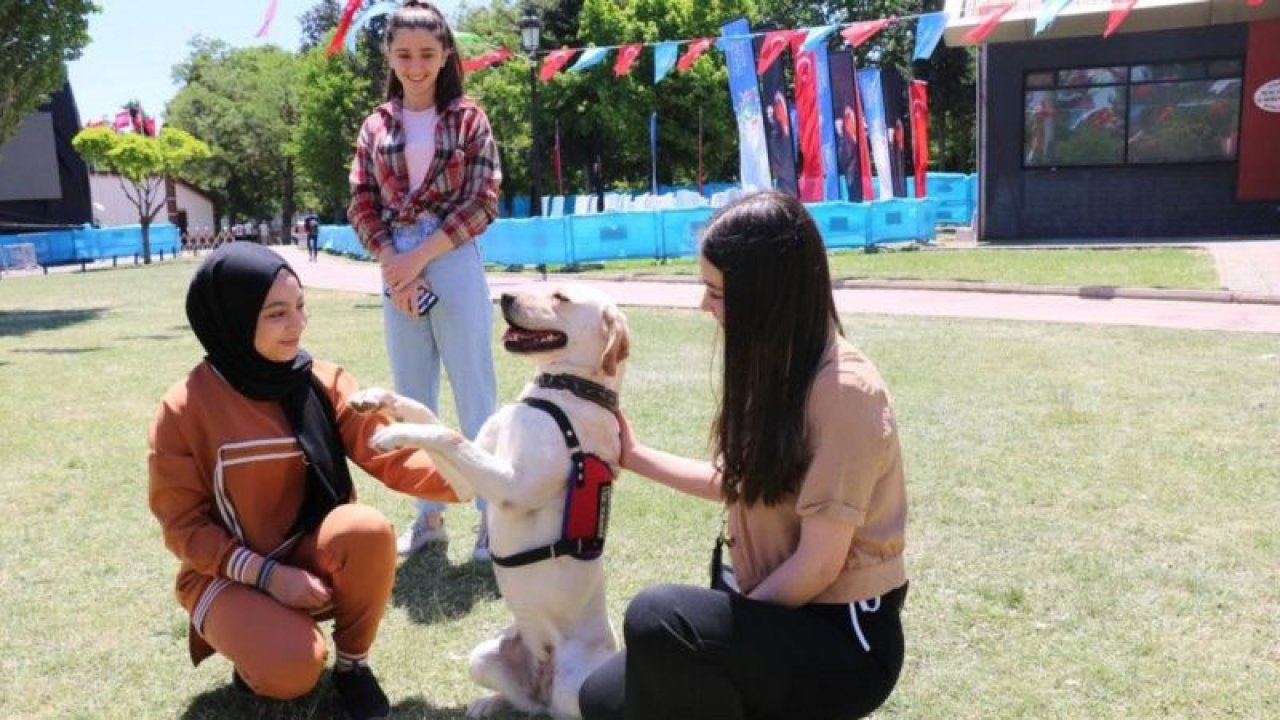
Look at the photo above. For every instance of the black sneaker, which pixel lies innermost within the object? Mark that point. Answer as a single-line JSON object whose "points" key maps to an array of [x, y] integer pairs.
{"points": [[360, 694]]}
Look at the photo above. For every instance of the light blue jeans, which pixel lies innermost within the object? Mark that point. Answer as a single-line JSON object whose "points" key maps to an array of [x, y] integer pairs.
{"points": [[457, 331]]}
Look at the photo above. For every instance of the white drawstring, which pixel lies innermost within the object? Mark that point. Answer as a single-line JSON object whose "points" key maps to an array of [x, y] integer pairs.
{"points": [[870, 606]]}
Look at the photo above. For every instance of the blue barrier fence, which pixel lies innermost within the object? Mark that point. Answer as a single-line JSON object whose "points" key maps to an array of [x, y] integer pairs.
{"points": [[89, 244], [638, 234]]}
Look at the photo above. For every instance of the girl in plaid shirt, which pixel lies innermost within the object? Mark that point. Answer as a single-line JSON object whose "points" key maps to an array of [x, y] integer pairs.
{"points": [[424, 185]]}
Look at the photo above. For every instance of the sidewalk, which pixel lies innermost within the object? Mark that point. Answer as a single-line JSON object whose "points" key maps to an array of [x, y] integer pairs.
{"points": [[1100, 308]]}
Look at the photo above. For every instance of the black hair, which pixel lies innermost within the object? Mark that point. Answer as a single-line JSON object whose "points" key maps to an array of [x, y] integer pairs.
{"points": [[779, 316], [423, 15]]}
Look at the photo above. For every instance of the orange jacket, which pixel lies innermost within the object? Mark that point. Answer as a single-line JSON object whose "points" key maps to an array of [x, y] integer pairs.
{"points": [[226, 473]]}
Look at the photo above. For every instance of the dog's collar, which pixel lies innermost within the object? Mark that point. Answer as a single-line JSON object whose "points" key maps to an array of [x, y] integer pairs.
{"points": [[585, 389]]}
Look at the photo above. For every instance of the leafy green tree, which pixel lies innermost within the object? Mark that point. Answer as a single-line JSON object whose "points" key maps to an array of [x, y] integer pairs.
{"points": [[332, 101], [245, 103], [143, 163], [37, 39]]}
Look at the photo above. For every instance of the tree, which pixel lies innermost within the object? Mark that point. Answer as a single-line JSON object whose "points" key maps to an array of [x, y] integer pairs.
{"points": [[332, 102], [38, 38], [143, 163], [244, 103]]}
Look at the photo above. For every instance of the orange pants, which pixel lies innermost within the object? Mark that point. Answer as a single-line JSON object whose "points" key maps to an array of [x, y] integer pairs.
{"points": [[278, 650]]}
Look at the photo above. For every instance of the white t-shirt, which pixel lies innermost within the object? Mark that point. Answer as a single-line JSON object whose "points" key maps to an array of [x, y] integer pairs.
{"points": [[419, 143]]}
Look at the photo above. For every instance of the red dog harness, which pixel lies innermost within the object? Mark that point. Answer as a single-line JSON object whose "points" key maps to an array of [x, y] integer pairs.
{"points": [[586, 505]]}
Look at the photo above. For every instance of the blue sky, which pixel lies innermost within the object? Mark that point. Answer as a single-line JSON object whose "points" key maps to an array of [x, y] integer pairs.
{"points": [[135, 44]]}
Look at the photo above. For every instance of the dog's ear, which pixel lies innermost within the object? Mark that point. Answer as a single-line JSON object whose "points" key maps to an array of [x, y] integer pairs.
{"points": [[617, 344]]}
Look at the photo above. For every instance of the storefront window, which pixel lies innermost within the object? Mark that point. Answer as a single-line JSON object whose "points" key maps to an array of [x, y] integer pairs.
{"points": [[1140, 114]]}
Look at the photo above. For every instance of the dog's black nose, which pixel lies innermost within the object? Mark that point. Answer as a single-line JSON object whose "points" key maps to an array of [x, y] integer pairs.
{"points": [[507, 301]]}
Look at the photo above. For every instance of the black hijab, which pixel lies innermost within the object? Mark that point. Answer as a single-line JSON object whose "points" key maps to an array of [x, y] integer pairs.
{"points": [[223, 303]]}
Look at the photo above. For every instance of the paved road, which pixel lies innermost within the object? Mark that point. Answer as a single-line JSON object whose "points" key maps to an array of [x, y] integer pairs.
{"points": [[341, 274]]}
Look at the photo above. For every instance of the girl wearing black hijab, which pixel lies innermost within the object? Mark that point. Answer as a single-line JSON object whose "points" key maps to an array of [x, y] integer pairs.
{"points": [[249, 480]]}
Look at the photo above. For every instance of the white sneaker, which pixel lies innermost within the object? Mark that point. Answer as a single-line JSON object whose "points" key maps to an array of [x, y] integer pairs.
{"points": [[480, 553], [427, 528]]}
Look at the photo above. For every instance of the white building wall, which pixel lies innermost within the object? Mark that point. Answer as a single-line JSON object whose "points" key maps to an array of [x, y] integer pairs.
{"points": [[112, 207]]}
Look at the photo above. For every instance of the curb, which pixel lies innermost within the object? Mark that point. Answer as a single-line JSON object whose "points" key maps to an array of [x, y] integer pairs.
{"points": [[1090, 292]]}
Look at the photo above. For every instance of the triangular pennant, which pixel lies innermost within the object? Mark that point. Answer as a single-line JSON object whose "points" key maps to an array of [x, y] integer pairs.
{"points": [[860, 32], [1048, 14], [696, 48], [664, 57], [266, 20], [589, 58], [627, 56], [990, 21], [493, 57], [344, 24], [554, 62], [771, 49], [1119, 11], [815, 36], [929, 29]]}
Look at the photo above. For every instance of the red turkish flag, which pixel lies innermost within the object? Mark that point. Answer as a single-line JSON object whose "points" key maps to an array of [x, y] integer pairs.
{"points": [[493, 57], [696, 48], [989, 22], [627, 56], [919, 91], [554, 62], [860, 32], [771, 49], [344, 24], [1119, 11]]}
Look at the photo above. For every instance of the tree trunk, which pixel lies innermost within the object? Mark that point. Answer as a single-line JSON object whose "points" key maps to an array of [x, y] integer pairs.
{"points": [[146, 241], [287, 204]]}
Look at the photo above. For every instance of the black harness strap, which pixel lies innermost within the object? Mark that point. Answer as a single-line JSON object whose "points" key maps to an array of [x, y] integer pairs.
{"points": [[578, 547]]}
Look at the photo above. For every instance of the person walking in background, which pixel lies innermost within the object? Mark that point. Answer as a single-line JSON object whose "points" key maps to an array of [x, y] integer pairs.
{"points": [[804, 624], [424, 184], [248, 478], [312, 224]]}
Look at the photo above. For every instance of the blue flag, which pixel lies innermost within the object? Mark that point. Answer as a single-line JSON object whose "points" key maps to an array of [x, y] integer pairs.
{"points": [[1048, 14], [744, 94], [589, 58], [664, 58], [928, 32]]}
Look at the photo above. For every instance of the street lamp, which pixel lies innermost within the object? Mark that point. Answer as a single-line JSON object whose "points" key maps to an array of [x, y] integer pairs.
{"points": [[530, 32]]}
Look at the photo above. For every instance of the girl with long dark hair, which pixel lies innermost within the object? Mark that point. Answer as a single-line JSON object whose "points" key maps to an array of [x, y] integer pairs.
{"points": [[804, 621]]}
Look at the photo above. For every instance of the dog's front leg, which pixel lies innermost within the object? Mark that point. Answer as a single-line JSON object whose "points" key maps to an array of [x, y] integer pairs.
{"points": [[399, 407], [464, 465]]}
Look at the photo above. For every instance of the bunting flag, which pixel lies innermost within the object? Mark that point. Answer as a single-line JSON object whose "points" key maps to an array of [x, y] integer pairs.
{"points": [[627, 56], [695, 51], [267, 19], [815, 36], [1119, 11], [1048, 14], [344, 24], [919, 91], [554, 62], [860, 32], [990, 21], [589, 58], [493, 57], [774, 43], [362, 20], [929, 29], [664, 58]]}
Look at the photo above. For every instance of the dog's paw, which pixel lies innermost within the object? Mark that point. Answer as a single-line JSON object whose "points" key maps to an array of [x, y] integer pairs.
{"points": [[391, 437], [374, 399], [487, 707]]}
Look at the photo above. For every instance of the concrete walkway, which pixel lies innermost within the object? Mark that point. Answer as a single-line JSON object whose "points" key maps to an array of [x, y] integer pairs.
{"points": [[1251, 266], [1262, 317]]}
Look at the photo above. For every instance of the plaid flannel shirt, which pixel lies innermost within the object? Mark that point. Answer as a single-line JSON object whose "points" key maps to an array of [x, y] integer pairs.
{"points": [[460, 188]]}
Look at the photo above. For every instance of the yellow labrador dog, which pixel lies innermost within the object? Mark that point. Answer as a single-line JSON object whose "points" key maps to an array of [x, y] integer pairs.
{"points": [[526, 462]]}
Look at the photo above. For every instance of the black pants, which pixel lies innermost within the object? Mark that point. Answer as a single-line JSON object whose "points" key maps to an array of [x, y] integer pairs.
{"points": [[313, 246], [706, 654]]}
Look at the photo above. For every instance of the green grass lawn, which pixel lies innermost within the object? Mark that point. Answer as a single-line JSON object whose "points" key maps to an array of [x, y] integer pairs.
{"points": [[1130, 268], [1092, 529]]}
